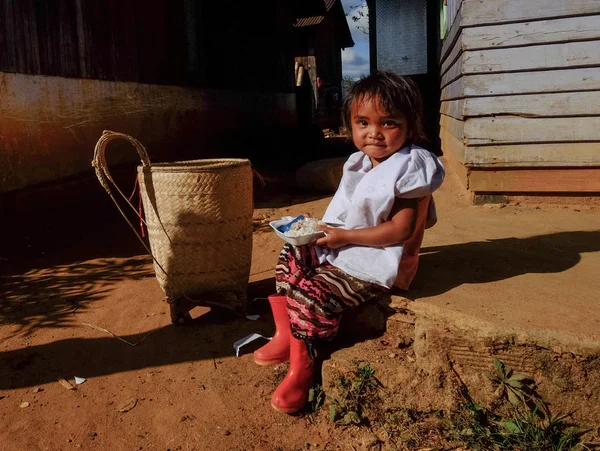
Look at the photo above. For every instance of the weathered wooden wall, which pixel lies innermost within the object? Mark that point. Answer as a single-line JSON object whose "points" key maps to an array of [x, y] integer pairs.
{"points": [[520, 90], [134, 40], [174, 42], [49, 125], [190, 79]]}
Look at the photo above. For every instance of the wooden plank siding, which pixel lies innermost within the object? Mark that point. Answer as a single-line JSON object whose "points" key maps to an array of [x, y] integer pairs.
{"points": [[454, 108], [566, 80], [541, 180], [455, 127], [531, 33], [451, 37], [520, 155], [578, 154], [454, 154], [557, 104], [519, 34], [505, 31], [452, 8], [453, 144], [510, 129], [451, 56], [455, 71], [482, 12], [540, 57], [521, 59], [520, 94], [544, 155]]}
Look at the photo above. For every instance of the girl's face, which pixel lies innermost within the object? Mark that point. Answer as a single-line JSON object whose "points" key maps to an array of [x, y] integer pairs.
{"points": [[377, 133]]}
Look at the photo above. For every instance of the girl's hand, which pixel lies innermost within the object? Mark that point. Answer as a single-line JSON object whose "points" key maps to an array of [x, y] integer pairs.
{"points": [[397, 230], [335, 237]]}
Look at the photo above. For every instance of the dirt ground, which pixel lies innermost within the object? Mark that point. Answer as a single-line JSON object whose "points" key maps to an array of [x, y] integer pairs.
{"points": [[79, 298]]}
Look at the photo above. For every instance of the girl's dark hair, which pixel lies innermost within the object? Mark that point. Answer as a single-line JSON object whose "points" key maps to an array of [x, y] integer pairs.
{"points": [[397, 94]]}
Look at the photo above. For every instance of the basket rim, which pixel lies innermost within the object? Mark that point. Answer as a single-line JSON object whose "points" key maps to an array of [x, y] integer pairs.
{"points": [[201, 165]]}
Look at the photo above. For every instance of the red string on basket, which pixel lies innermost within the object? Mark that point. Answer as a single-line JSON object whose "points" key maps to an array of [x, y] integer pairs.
{"points": [[136, 187]]}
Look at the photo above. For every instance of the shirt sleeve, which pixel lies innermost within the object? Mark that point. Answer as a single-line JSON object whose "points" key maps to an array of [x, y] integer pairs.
{"points": [[422, 174]]}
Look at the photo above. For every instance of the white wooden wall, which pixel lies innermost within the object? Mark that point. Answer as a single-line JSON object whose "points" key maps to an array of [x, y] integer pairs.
{"points": [[520, 84]]}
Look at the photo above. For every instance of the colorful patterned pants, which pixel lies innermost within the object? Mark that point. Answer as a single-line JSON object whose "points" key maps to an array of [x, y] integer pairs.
{"points": [[318, 294]]}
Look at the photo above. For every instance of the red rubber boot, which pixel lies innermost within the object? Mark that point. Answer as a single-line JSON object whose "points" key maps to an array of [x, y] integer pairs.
{"points": [[278, 349], [292, 394]]}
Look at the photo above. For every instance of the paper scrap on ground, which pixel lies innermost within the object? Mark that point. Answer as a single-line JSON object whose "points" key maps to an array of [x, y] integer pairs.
{"points": [[253, 317], [79, 380], [247, 339]]}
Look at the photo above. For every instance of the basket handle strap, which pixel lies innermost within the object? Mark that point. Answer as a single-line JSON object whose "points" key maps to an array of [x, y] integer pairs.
{"points": [[99, 161], [101, 167], [103, 174]]}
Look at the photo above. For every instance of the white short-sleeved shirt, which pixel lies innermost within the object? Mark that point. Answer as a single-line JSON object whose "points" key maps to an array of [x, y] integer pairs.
{"points": [[365, 198]]}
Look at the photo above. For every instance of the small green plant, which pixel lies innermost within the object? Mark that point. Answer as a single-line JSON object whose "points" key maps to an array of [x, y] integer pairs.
{"points": [[517, 388], [316, 398], [527, 423], [482, 429], [355, 395]]}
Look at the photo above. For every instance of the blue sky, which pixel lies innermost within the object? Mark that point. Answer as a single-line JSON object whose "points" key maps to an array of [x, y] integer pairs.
{"points": [[355, 60]]}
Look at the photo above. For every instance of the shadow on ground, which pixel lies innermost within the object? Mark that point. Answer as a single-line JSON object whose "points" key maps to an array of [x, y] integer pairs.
{"points": [[209, 336], [46, 297], [79, 271], [443, 268]]}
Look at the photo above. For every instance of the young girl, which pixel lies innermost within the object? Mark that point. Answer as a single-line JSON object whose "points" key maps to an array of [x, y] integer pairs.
{"points": [[369, 218]]}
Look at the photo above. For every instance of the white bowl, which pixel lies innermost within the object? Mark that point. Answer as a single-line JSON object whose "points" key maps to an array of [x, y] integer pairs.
{"points": [[295, 240]]}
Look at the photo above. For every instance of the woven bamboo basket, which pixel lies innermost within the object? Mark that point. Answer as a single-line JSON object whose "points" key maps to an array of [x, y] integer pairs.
{"points": [[199, 219]]}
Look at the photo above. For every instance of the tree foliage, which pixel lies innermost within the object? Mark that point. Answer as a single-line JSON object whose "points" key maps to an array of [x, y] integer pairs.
{"points": [[357, 13]]}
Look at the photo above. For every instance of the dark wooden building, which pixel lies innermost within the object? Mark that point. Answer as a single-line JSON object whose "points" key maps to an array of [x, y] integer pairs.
{"points": [[188, 78]]}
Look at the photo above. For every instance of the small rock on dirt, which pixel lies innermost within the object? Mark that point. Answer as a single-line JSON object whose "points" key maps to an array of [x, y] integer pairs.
{"points": [[128, 405]]}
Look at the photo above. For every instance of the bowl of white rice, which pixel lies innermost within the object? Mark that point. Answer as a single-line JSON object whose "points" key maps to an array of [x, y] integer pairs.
{"points": [[301, 232]]}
